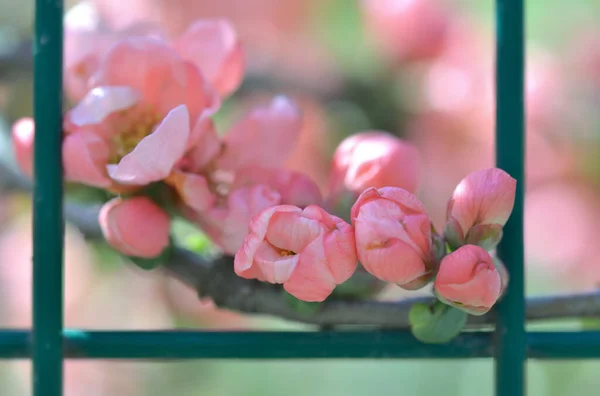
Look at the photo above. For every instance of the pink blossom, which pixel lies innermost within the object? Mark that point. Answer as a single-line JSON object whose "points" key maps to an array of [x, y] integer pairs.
{"points": [[273, 31], [135, 226], [149, 109], [483, 199], [295, 188], [307, 250], [264, 137], [393, 236], [468, 279], [213, 46], [22, 141], [226, 222], [373, 159], [408, 30], [87, 39]]}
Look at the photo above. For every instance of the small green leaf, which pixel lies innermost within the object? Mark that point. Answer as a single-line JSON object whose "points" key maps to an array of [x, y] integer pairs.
{"points": [[303, 307], [437, 323]]}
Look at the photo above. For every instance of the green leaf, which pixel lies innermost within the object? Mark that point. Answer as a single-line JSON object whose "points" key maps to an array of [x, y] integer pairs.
{"points": [[437, 323], [303, 307]]}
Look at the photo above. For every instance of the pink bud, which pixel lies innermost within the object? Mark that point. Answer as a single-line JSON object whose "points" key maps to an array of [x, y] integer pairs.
{"points": [[374, 159], [136, 226], [468, 279], [23, 132], [485, 197], [393, 236], [308, 250]]}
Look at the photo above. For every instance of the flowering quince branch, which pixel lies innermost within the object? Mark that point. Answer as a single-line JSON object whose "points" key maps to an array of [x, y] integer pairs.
{"points": [[215, 279], [142, 131]]}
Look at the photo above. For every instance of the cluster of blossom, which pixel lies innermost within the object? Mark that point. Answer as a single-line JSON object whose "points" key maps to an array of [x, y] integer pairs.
{"points": [[142, 129]]}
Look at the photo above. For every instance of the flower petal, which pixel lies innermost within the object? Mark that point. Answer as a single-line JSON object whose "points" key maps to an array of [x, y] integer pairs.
{"points": [[136, 226], [213, 46], [155, 156], [85, 155], [264, 138], [100, 102]]}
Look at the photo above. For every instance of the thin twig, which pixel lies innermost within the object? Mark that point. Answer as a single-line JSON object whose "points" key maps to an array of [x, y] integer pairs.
{"points": [[215, 279]]}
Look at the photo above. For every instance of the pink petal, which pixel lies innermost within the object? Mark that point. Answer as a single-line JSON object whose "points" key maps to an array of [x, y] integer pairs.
{"points": [[193, 190], [295, 188], [135, 227], [312, 280], [23, 134], [483, 197], [204, 145], [264, 138], [374, 159], [85, 156], [163, 78], [100, 102], [213, 46], [274, 267], [258, 226], [155, 156]]}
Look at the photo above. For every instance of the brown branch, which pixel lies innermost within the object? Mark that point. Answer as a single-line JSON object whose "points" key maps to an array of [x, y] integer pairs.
{"points": [[215, 279]]}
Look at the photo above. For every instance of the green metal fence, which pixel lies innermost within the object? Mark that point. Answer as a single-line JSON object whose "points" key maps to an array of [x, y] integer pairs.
{"points": [[47, 343]]}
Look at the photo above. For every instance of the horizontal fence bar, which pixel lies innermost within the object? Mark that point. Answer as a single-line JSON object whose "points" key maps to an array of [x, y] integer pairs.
{"points": [[177, 344], [567, 345]]}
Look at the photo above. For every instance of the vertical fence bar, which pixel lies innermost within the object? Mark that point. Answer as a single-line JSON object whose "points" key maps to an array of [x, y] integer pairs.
{"points": [[510, 156], [48, 227]]}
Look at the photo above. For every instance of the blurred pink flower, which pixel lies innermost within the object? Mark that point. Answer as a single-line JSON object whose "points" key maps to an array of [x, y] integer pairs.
{"points": [[561, 223], [262, 138], [393, 237], [278, 35], [213, 46], [22, 141], [408, 30], [307, 250], [87, 39], [135, 226], [295, 188], [374, 159], [468, 279], [226, 223]]}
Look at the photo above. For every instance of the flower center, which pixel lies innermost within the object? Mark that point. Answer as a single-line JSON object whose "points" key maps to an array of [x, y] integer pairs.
{"points": [[131, 126]]}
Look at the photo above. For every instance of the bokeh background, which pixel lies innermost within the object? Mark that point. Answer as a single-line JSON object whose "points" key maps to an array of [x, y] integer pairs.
{"points": [[422, 69]]}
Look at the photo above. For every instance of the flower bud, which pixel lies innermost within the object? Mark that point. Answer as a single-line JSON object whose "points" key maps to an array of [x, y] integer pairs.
{"points": [[135, 227], [469, 279], [393, 237], [480, 206]]}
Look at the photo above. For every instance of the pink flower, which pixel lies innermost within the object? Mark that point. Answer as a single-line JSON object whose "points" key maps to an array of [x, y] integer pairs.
{"points": [[373, 159], [22, 141], [295, 188], [87, 39], [213, 46], [408, 30], [226, 222], [136, 226], [480, 206], [264, 137], [308, 250], [149, 110], [393, 237], [468, 279]]}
